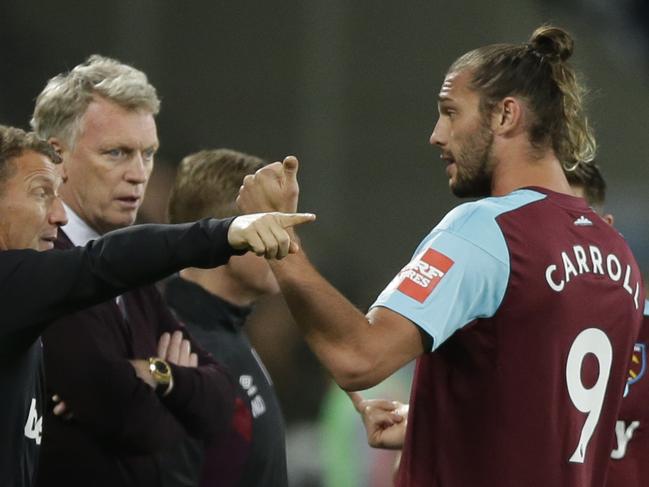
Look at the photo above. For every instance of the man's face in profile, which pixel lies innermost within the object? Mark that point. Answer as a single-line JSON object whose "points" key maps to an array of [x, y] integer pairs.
{"points": [[31, 211]]}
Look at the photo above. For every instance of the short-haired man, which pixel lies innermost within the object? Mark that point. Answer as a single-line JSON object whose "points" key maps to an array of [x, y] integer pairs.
{"points": [[37, 287], [529, 302], [100, 117], [214, 304]]}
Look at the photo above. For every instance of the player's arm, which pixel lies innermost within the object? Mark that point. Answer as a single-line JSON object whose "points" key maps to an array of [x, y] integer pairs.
{"points": [[459, 273], [450, 282], [359, 350]]}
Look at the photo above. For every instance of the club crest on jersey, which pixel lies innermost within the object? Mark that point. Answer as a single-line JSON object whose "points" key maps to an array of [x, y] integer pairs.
{"points": [[638, 366], [421, 276]]}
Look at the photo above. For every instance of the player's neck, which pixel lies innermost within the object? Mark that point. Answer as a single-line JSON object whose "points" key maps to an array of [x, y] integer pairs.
{"points": [[219, 283], [519, 167]]}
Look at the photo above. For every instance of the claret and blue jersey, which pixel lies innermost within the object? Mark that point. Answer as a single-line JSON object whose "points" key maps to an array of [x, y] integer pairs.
{"points": [[533, 303]]}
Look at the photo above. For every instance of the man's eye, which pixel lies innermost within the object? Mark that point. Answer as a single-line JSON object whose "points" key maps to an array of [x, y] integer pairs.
{"points": [[115, 153], [41, 192], [149, 154], [449, 112]]}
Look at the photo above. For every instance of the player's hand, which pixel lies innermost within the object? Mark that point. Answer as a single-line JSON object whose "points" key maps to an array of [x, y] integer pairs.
{"points": [[266, 233], [177, 350], [385, 421], [272, 188]]}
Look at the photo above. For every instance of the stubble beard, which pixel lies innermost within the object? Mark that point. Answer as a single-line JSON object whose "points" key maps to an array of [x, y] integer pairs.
{"points": [[474, 171]]}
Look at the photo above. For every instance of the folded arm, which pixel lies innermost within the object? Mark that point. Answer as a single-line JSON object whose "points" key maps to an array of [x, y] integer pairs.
{"points": [[87, 365]]}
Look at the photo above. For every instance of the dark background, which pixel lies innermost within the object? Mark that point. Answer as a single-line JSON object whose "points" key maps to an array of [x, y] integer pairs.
{"points": [[349, 87]]}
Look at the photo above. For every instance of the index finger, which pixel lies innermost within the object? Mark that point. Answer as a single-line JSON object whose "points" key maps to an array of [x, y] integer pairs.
{"points": [[163, 345], [293, 219]]}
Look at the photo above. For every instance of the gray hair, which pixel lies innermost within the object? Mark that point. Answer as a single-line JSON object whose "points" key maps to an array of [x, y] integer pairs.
{"points": [[65, 98]]}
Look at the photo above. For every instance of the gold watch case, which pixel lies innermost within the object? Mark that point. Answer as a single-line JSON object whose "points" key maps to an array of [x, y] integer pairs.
{"points": [[161, 373]]}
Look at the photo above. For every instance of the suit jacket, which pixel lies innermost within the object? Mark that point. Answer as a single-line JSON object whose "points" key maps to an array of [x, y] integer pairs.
{"points": [[38, 287], [119, 423]]}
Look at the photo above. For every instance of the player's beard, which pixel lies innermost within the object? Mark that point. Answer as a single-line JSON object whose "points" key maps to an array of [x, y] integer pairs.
{"points": [[474, 166]]}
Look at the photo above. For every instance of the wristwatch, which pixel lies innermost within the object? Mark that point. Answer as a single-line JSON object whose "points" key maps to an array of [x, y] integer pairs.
{"points": [[161, 373]]}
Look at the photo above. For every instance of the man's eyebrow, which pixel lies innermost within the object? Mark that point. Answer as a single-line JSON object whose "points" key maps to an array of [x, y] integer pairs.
{"points": [[40, 178]]}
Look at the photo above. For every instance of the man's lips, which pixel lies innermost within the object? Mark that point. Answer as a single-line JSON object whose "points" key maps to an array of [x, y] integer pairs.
{"points": [[48, 240], [130, 201], [450, 164], [447, 158]]}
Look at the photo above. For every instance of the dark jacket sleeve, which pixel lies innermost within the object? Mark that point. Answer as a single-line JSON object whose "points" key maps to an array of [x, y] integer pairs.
{"points": [[85, 365], [37, 287]]}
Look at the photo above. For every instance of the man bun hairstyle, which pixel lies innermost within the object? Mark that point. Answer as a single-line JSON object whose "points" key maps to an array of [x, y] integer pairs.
{"points": [[539, 74], [552, 42]]}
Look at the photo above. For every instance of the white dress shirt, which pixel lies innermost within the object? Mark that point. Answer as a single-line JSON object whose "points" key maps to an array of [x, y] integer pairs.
{"points": [[80, 233]]}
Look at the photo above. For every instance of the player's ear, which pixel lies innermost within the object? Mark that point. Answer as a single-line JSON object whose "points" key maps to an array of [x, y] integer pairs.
{"points": [[608, 218], [59, 148], [507, 116], [57, 145]]}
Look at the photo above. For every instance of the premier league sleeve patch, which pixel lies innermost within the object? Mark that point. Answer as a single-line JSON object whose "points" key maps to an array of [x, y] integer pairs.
{"points": [[422, 275], [638, 366]]}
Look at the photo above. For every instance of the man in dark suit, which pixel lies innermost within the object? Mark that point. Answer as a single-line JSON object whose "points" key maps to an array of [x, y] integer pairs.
{"points": [[37, 287], [100, 117]]}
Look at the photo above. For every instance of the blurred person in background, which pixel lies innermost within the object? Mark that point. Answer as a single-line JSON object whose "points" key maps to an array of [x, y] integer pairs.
{"points": [[214, 305]]}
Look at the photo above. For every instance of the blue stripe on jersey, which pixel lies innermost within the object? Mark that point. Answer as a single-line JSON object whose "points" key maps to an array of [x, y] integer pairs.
{"points": [[475, 284]]}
